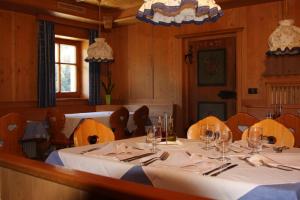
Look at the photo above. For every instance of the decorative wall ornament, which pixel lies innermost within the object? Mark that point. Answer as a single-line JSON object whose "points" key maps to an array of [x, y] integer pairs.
{"points": [[176, 12], [285, 40]]}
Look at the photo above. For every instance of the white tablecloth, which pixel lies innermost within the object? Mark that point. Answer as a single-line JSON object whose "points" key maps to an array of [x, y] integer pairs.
{"points": [[170, 174], [72, 120]]}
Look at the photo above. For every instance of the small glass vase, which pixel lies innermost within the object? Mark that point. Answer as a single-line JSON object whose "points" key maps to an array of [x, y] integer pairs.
{"points": [[108, 99]]}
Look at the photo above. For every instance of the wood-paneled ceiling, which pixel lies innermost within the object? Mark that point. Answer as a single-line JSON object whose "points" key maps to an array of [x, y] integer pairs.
{"points": [[121, 4]]}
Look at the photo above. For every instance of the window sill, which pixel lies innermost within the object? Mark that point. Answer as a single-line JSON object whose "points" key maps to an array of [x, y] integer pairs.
{"points": [[71, 101]]}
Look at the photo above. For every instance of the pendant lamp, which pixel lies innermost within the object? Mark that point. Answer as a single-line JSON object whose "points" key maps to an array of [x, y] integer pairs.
{"points": [[285, 40], [177, 12], [100, 51]]}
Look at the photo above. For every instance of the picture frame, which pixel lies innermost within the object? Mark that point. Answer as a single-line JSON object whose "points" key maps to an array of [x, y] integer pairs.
{"points": [[211, 67], [207, 108]]}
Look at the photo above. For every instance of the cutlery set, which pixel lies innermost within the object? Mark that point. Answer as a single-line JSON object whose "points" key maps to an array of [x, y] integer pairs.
{"points": [[220, 169]]}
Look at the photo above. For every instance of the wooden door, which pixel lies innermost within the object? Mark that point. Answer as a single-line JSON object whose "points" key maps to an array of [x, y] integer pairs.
{"points": [[211, 78]]}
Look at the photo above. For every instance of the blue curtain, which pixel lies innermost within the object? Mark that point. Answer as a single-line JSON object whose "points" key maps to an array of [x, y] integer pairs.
{"points": [[46, 65], [94, 75]]}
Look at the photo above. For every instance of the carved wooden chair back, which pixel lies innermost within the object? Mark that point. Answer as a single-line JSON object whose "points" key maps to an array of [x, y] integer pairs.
{"points": [[56, 121], [12, 128], [140, 118], [293, 123], [90, 131], [240, 122], [283, 136], [194, 132], [118, 122]]}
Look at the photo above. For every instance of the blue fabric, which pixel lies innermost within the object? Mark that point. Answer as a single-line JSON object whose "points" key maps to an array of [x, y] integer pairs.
{"points": [[274, 192], [46, 65], [54, 159], [137, 174], [94, 75]]}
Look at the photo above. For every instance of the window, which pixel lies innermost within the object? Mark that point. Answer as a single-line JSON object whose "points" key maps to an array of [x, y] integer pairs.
{"points": [[67, 68]]}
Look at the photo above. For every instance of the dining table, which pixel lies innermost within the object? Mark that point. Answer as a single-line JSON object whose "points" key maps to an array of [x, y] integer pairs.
{"points": [[190, 167], [73, 119]]}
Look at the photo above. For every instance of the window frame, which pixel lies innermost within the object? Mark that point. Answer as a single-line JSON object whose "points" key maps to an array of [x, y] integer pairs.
{"points": [[78, 65]]}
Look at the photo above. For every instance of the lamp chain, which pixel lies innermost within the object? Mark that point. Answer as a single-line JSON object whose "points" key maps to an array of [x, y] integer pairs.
{"points": [[99, 17]]}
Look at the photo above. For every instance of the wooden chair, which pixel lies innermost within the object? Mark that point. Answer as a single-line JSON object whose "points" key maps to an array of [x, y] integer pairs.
{"points": [[293, 123], [283, 136], [56, 121], [140, 118], [238, 123], [194, 132], [90, 131], [12, 128], [118, 122]]}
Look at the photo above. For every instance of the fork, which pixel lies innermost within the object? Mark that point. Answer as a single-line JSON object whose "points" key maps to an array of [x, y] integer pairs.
{"points": [[271, 166], [162, 157]]}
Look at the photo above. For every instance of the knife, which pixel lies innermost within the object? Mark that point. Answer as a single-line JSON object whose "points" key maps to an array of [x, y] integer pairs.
{"points": [[215, 169], [225, 169], [137, 157]]}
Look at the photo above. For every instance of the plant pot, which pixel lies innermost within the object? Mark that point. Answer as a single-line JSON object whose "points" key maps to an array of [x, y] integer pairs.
{"points": [[107, 99]]}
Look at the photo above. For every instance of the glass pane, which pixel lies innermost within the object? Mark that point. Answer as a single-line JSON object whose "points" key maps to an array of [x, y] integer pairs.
{"points": [[67, 53], [56, 52], [68, 78], [56, 79]]}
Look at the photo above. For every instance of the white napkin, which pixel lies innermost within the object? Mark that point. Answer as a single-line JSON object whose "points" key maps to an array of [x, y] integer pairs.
{"points": [[179, 159], [114, 151], [287, 159]]}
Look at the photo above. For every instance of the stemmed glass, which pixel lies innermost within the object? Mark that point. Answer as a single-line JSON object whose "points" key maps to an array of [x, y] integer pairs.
{"points": [[154, 136], [207, 134], [223, 140], [254, 139]]}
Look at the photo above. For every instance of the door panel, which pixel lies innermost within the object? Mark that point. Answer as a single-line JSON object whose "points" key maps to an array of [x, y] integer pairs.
{"points": [[212, 78]]}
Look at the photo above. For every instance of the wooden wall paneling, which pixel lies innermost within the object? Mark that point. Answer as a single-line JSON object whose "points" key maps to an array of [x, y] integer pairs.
{"points": [[140, 62], [25, 30], [6, 55]]}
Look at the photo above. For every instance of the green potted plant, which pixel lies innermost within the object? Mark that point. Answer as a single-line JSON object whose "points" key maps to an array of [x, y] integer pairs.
{"points": [[108, 88]]}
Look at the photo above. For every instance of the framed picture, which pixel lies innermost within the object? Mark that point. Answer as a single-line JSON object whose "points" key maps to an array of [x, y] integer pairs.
{"points": [[217, 109], [211, 67]]}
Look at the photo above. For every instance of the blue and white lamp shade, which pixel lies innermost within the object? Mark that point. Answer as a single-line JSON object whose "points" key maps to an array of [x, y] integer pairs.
{"points": [[100, 52], [177, 12]]}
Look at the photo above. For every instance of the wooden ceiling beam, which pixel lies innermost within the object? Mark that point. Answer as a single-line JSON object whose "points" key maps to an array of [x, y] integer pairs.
{"points": [[65, 8]]}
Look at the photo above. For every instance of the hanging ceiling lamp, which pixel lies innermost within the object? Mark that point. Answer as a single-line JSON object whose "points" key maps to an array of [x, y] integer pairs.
{"points": [[285, 40], [176, 12], [100, 51]]}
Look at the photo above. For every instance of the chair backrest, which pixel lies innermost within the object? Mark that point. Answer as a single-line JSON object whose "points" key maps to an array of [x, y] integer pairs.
{"points": [[12, 128], [140, 118], [90, 131], [118, 122], [194, 132], [56, 121], [283, 136], [240, 122], [293, 123]]}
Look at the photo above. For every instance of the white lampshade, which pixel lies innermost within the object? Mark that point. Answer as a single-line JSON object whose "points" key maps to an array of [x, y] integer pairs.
{"points": [[176, 12], [285, 40], [100, 52]]}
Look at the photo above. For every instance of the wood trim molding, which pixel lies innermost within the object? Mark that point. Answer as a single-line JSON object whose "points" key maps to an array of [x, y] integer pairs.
{"points": [[99, 186]]}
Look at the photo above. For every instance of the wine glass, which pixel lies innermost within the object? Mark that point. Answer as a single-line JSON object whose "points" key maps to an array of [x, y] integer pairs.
{"points": [[254, 139], [207, 134], [223, 140]]}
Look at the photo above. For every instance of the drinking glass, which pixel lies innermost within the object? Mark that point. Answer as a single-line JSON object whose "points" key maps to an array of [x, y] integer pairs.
{"points": [[153, 136], [223, 140], [254, 139], [207, 134]]}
